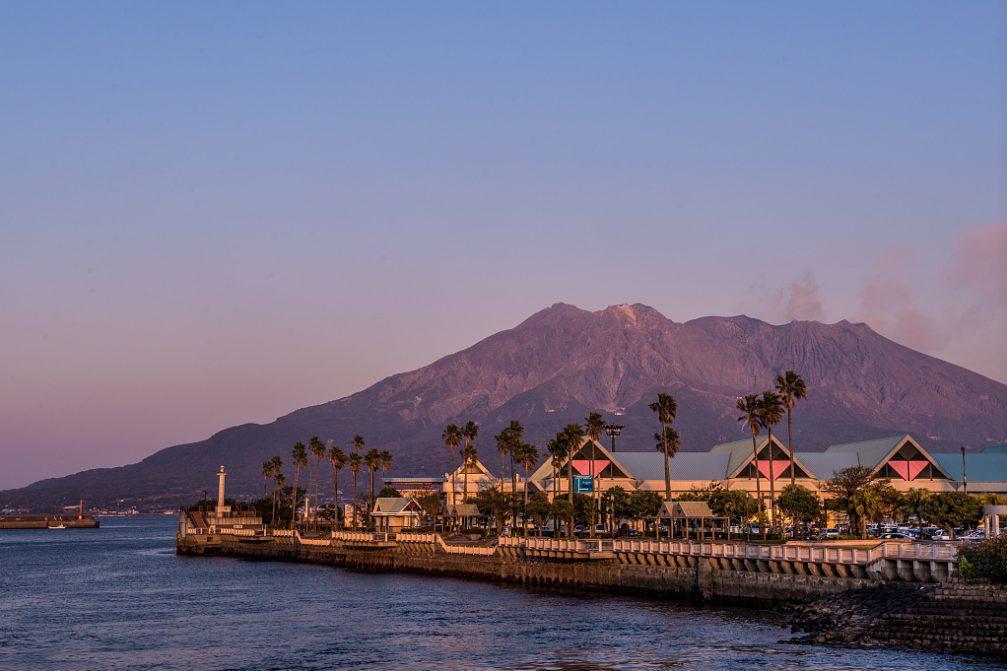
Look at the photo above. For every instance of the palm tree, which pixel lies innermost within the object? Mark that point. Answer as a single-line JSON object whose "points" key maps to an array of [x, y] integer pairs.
{"points": [[517, 435], [277, 475], [300, 461], [469, 432], [750, 407], [666, 409], [373, 461], [556, 448], [791, 387], [338, 460], [386, 464], [669, 443], [504, 445], [358, 443], [469, 456], [528, 456], [771, 414], [318, 449], [267, 472], [573, 434], [594, 426], [279, 481], [356, 461], [452, 437]]}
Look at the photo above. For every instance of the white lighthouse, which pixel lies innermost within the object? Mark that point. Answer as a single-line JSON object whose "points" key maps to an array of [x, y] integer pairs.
{"points": [[221, 509]]}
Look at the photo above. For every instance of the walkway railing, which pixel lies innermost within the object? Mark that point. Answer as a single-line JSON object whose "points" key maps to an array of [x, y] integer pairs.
{"points": [[798, 553]]}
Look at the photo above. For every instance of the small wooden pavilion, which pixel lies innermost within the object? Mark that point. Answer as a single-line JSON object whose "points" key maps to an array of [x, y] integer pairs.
{"points": [[461, 514], [694, 515]]}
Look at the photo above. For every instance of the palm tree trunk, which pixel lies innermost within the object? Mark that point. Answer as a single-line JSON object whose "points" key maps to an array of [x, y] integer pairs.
{"points": [[293, 502], [318, 480], [790, 446], [272, 520], [758, 482], [354, 501], [524, 513], [335, 499], [772, 482], [452, 476]]}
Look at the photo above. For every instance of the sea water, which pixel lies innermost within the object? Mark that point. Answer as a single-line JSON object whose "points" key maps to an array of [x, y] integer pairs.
{"points": [[119, 597]]}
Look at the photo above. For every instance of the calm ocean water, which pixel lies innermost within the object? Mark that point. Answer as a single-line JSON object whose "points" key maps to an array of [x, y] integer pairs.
{"points": [[119, 598]]}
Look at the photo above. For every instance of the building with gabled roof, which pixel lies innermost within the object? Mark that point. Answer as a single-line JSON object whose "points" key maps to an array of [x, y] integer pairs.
{"points": [[395, 513]]}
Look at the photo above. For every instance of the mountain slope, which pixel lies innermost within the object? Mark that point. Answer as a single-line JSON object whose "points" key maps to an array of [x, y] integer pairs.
{"points": [[563, 362]]}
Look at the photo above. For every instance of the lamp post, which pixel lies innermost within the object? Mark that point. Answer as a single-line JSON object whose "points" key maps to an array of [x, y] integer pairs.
{"points": [[748, 523], [611, 514], [965, 476], [612, 430]]}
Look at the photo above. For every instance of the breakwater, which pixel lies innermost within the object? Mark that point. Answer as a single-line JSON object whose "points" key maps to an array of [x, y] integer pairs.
{"points": [[900, 595], [48, 522], [703, 572]]}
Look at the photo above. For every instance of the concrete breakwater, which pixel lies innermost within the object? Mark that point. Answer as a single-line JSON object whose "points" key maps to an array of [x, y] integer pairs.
{"points": [[694, 572], [48, 522]]}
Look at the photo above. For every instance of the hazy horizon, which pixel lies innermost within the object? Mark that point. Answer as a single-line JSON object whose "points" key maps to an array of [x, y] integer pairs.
{"points": [[214, 215]]}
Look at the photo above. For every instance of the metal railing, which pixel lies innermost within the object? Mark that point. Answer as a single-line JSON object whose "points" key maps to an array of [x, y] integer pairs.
{"points": [[798, 553]]}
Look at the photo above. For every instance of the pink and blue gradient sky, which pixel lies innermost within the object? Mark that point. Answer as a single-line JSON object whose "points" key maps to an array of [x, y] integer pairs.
{"points": [[216, 214]]}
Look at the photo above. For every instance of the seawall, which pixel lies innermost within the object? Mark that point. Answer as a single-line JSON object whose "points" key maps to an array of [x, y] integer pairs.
{"points": [[700, 580], [48, 522]]}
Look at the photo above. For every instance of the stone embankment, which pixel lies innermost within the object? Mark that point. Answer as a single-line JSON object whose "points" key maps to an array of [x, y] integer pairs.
{"points": [[694, 577], [950, 616], [48, 522]]}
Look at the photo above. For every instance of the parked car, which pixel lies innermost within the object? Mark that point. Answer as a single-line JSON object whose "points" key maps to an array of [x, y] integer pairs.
{"points": [[829, 533], [897, 536]]}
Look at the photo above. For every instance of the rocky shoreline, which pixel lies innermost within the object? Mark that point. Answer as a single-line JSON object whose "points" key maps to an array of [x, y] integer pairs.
{"points": [[949, 616]]}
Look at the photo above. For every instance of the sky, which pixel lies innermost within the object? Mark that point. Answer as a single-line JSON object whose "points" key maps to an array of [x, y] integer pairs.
{"points": [[218, 213]]}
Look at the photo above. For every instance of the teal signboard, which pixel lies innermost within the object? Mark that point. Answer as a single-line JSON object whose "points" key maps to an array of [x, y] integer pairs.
{"points": [[583, 484]]}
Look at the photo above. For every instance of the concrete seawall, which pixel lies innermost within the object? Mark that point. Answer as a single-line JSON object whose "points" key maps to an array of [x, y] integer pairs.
{"points": [[48, 522], [701, 580]]}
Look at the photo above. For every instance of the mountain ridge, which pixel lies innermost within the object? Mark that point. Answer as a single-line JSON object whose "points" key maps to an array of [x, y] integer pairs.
{"points": [[561, 363]]}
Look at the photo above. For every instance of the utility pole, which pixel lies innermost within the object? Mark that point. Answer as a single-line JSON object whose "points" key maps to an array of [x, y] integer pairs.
{"points": [[965, 476]]}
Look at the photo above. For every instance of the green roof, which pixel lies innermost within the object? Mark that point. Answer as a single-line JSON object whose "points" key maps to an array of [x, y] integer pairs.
{"points": [[980, 467], [740, 451], [870, 452]]}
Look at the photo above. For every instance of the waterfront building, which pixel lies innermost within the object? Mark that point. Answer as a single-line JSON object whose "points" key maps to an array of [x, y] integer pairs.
{"points": [[734, 465], [395, 514]]}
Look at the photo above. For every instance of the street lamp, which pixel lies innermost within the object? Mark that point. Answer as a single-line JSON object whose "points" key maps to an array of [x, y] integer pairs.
{"points": [[613, 430]]}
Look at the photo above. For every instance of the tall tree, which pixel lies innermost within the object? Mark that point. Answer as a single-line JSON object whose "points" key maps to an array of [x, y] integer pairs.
{"points": [[594, 426], [267, 472], [279, 482], [505, 442], [529, 458], [338, 460], [469, 433], [771, 414], [517, 435], [452, 437], [469, 457], [556, 447], [666, 409], [791, 387], [749, 406], [386, 464], [277, 476], [300, 454], [356, 463], [669, 443], [373, 461], [317, 448], [573, 434]]}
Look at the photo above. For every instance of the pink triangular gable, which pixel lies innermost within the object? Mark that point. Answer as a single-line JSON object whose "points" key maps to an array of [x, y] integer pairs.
{"points": [[902, 468], [583, 466], [779, 465], [915, 467]]}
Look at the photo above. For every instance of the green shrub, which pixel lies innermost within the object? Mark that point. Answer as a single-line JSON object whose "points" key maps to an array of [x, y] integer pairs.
{"points": [[968, 572], [988, 557]]}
